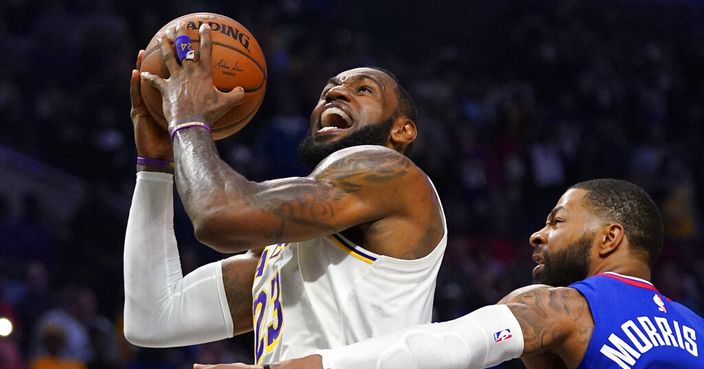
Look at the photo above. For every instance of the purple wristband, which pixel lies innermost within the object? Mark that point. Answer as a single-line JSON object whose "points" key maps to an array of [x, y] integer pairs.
{"points": [[176, 128], [182, 43], [157, 163]]}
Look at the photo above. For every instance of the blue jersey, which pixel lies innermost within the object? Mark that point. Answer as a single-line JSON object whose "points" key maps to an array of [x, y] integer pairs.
{"points": [[637, 327]]}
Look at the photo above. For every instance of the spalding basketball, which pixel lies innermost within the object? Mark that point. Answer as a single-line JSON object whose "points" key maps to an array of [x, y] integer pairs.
{"points": [[237, 60]]}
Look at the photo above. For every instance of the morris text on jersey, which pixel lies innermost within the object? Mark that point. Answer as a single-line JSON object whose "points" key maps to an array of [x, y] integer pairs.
{"points": [[645, 333]]}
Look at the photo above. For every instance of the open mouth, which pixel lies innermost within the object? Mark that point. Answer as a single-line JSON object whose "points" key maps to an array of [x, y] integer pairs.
{"points": [[541, 264], [333, 119], [538, 259]]}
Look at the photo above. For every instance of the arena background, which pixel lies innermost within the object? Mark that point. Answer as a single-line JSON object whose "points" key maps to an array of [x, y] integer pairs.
{"points": [[517, 101]]}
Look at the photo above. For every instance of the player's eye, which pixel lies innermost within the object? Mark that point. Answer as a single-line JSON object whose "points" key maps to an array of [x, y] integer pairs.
{"points": [[362, 89], [553, 221]]}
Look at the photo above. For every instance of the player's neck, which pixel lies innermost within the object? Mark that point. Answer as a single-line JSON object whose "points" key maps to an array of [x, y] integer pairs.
{"points": [[644, 275], [636, 270]]}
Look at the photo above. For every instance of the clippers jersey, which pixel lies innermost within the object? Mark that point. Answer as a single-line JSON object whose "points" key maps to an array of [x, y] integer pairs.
{"points": [[637, 327], [328, 292]]}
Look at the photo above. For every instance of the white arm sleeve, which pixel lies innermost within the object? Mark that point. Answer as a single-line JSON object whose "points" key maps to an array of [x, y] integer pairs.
{"points": [[481, 339], [163, 308]]}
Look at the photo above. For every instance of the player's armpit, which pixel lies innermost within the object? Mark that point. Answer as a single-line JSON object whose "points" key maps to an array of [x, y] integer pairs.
{"points": [[553, 320], [351, 187], [238, 276]]}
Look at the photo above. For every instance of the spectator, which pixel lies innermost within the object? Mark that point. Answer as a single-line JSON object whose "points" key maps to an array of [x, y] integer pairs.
{"points": [[515, 99], [76, 304], [36, 299], [53, 341]]}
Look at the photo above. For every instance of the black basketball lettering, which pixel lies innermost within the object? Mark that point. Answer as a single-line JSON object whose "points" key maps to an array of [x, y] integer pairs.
{"points": [[230, 31], [236, 65], [244, 40], [214, 26]]}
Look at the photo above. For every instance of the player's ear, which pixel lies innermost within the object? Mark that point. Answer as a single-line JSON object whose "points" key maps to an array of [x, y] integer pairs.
{"points": [[611, 237], [403, 132]]}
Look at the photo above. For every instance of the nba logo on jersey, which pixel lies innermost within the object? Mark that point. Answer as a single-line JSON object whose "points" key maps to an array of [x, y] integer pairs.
{"points": [[502, 335], [661, 305]]}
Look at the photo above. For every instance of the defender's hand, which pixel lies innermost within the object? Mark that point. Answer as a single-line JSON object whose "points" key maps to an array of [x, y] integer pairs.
{"points": [[189, 94], [151, 139]]}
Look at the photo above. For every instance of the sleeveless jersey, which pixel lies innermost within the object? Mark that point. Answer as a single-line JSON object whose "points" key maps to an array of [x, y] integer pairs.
{"points": [[637, 327], [329, 292]]}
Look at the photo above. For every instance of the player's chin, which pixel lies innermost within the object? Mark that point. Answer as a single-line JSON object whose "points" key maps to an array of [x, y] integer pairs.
{"points": [[538, 273]]}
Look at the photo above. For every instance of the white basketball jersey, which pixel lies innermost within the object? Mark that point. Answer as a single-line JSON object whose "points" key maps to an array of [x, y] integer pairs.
{"points": [[328, 292]]}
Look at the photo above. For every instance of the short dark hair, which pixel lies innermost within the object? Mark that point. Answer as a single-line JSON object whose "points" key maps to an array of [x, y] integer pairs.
{"points": [[625, 203], [406, 105]]}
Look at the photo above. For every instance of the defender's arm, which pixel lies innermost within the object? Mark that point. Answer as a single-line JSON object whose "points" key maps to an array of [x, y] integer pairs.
{"points": [[554, 321], [532, 320]]}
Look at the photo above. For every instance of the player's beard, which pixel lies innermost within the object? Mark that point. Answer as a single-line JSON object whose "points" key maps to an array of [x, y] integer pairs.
{"points": [[311, 153], [567, 266]]}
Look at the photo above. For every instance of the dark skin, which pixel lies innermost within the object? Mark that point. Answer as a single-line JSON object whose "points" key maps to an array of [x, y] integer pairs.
{"points": [[556, 321], [372, 194]]}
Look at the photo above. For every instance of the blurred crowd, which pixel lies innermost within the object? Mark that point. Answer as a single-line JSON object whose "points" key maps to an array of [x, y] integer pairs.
{"points": [[517, 101]]}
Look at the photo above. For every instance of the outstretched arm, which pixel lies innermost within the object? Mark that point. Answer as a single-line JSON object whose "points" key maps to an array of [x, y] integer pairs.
{"points": [[531, 321], [528, 322], [465, 343]]}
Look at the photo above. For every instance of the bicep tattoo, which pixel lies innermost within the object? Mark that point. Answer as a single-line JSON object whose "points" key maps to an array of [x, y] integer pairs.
{"points": [[549, 316], [351, 173], [314, 202]]}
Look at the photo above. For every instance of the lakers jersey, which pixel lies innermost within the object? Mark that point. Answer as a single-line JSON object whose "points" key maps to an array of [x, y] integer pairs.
{"points": [[635, 326], [329, 292]]}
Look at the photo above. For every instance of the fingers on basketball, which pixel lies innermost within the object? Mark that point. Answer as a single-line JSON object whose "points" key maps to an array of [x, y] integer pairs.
{"points": [[206, 46], [236, 96], [167, 54], [234, 59], [153, 80]]}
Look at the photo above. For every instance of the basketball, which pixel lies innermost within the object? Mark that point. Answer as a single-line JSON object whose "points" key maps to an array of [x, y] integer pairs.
{"points": [[237, 60]]}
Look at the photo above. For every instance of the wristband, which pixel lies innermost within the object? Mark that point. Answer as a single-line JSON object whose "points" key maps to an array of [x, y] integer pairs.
{"points": [[157, 163], [178, 127]]}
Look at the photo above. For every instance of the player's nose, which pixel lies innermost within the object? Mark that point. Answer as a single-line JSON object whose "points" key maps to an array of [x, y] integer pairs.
{"points": [[537, 239], [339, 92]]}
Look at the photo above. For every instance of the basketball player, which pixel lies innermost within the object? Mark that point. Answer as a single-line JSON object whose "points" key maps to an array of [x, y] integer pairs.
{"points": [[601, 239], [354, 247]]}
